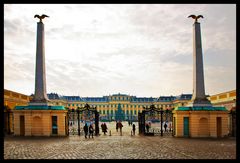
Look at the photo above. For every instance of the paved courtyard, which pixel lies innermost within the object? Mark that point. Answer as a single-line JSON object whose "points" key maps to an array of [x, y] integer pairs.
{"points": [[118, 147]]}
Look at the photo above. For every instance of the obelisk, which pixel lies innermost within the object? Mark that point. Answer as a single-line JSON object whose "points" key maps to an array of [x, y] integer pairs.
{"points": [[40, 95], [198, 97]]}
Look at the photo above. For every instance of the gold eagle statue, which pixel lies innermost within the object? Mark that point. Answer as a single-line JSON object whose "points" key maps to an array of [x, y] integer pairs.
{"points": [[41, 17], [195, 17]]}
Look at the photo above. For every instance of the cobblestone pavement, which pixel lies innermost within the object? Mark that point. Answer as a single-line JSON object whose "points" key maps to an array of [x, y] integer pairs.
{"points": [[118, 147]]}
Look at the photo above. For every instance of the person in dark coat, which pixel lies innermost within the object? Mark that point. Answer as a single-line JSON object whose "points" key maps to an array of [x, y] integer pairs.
{"points": [[104, 128], [120, 127], [165, 126], [117, 126], [133, 128], [147, 127], [85, 128], [90, 130]]}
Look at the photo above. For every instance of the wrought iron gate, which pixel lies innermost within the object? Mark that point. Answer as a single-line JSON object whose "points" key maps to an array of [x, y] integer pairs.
{"points": [[83, 115], [155, 121]]}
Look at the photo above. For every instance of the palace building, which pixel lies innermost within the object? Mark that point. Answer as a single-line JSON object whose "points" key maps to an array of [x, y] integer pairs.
{"points": [[129, 105]]}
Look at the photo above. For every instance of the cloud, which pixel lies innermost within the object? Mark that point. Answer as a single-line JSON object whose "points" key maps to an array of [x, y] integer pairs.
{"points": [[137, 49]]}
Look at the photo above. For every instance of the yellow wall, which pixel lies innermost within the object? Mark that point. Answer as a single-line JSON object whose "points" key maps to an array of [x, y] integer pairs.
{"points": [[44, 128], [196, 128]]}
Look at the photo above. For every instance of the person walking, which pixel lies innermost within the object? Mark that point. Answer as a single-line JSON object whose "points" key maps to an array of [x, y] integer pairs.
{"points": [[90, 130], [104, 128], [117, 126], [147, 127], [165, 126], [133, 129], [120, 127], [85, 128]]}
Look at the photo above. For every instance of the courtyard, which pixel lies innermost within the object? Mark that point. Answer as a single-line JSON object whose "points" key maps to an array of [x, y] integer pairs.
{"points": [[115, 146]]}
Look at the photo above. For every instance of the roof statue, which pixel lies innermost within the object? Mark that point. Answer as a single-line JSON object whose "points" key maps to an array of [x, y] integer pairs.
{"points": [[41, 17], [195, 17]]}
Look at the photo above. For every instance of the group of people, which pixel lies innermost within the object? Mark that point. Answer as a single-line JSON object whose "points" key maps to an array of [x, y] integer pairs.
{"points": [[88, 130], [104, 128], [119, 125], [166, 125]]}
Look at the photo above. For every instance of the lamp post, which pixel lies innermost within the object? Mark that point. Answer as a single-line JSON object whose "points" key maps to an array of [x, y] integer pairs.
{"points": [[161, 112], [78, 111], [69, 113], [73, 115]]}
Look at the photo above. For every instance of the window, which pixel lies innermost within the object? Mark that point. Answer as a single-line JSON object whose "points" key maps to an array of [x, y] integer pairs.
{"points": [[103, 111], [72, 104], [135, 112]]}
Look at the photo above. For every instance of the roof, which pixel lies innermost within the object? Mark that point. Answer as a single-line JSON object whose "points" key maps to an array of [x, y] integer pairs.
{"points": [[166, 98], [40, 107], [204, 108], [184, 97]]}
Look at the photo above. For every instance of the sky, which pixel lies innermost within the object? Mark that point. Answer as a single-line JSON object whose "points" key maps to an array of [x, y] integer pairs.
{"points": [[144, 50]]}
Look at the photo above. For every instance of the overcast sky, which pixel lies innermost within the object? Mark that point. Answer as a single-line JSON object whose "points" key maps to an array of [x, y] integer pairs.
{"points": [[137, 49]]}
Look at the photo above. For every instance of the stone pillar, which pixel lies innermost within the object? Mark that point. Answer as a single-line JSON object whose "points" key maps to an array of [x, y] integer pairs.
{"points": [[40, 95], [198, 97]]}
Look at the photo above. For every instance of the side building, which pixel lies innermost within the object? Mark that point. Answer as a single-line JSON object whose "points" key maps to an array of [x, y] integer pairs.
{"points": [[12, 99], [228, 100]]}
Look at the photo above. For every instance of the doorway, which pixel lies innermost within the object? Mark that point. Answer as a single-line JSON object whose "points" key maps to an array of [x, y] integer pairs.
{"points": [[22, 125]]}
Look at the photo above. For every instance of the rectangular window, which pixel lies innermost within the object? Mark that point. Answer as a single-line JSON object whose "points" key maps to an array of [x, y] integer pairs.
{"points": [[135, 112], [54, 125], [72, 104], [103, 111]]}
